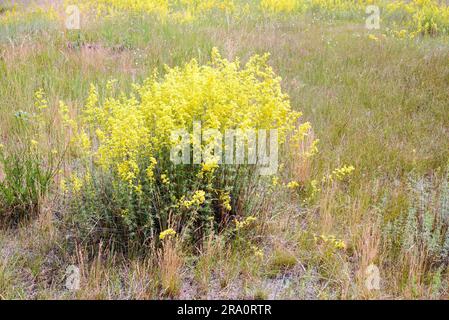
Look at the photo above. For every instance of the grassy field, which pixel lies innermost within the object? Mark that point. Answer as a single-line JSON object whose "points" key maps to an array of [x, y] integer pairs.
{"points": [[372, 202]]}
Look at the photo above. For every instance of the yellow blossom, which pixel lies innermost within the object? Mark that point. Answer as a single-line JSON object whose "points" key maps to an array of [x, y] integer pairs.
{"points": [[342, 172], [150, 169], [332, 240], [245, 223], [226, 201], [40, 102], [292, 185], [257, 252], [76, 183], [198, 198], [209, 166], [167, 234], [373, 37], [165, 179]]}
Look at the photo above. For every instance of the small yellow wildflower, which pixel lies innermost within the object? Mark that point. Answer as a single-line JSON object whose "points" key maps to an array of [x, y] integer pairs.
{"points": [[339, 244], [257, 252], [85, 141], [225, 199], [292, 185], [138, 189], [331, 239], [209, 166], [150, 169], [77, 183], [245, 223], [313, 150], [124, 213], [313, 190], [40, 100], [128, 170], [165, 180], [279, 6], [373, 37], [402, 34], [198, 198], [167, 234], [342, 172]]}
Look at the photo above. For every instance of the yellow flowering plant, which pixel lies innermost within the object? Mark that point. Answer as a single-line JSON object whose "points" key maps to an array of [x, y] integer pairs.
{"points": [[168, 233], [331, 240], [173, 11], [419, 17], [127, 142]]}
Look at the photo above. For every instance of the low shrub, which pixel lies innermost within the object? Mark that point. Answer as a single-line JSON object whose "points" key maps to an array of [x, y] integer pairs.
{"points": [[418, 238], [130, 189]]}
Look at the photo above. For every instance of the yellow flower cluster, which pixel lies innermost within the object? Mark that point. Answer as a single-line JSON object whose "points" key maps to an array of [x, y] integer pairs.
{"points": [[129, 138], [225, 200], [150, 169], [341, 173], [174, 10], [73, 183], [165, 180], [281, 6], [222, 95], [373, 37], [167, 234], [209, 166], [40, 101], [198, 198], [19, 14], [293, 185], [422, 16], [314, 189], [331, 239], [329, 6], [415, 16], [258, 252], [245, 223], [159, 7]]}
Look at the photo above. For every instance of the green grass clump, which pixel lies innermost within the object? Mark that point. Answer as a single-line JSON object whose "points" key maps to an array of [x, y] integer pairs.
{"points": [[281, 262]]}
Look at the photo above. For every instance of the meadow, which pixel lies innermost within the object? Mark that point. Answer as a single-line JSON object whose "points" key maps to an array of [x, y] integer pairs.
{"points": [[358, 208]]}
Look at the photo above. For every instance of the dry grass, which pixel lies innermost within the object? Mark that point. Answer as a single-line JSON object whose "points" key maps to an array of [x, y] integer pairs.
{"points": [[170, 262]]}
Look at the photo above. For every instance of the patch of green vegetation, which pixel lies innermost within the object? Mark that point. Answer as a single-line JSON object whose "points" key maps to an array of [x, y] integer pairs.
{"points": [[281, 262]]}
